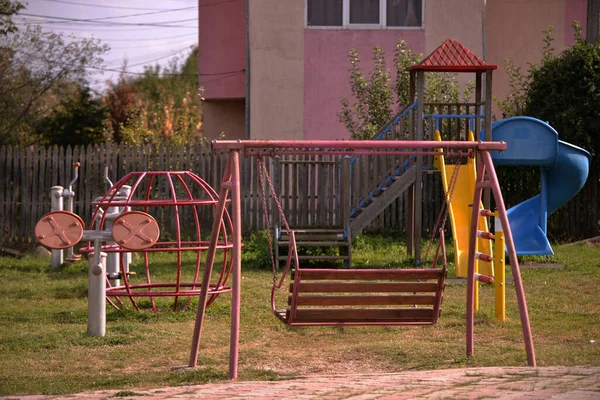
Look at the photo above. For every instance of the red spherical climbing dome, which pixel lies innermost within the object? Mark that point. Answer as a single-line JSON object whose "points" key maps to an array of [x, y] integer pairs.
{"points": [[178, 201]]}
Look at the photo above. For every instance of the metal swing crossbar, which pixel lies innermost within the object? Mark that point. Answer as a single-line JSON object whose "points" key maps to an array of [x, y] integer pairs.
{"points": [[486, 178], [352, 147], [334, 297]]}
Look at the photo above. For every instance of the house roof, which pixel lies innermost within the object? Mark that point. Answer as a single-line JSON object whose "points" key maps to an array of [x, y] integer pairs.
{"points": [[451, 56]]}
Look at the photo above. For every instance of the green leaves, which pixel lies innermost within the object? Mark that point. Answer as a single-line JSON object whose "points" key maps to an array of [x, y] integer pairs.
{"points": [[565, 91], [37, 70], [374, 96]]}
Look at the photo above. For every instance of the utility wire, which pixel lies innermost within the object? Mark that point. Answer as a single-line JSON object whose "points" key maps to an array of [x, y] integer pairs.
{"points": [[219, 78], [219, 74], [171, 54], [126, 16], [160, 24], [136, 40], [138, 46], [68, 27], [159, 54], [102, 6]]}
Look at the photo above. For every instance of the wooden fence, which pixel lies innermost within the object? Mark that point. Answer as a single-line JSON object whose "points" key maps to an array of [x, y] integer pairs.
{"points": [[308, 187]]}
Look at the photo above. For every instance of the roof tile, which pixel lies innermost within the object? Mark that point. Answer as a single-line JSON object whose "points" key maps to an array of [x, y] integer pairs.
{"points": [[451, 56]]}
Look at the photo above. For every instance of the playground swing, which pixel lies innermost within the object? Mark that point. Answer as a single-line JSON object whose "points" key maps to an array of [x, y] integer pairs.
{"points": [[333, 297]]}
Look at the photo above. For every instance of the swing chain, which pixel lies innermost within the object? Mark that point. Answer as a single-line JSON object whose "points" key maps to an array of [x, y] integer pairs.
{"points": [[443, 216], [263, 170]]}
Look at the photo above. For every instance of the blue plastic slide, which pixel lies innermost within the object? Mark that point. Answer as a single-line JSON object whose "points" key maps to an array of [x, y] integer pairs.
{"points": [[565, 168]]}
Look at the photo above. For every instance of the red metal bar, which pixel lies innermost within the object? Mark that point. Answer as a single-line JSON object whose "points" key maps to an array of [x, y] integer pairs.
{"points": [[485, 213], [483, 257], [178, 236], [210, 259], [514, 262], [245, 145], [471, 264], [484, 279], [375, 152], [198, 234], [152, 203], [485, 235], [236, 208]]}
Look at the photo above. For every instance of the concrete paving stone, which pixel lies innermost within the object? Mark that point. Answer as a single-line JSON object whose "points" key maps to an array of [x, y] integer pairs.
{"points": [[524, 383]]}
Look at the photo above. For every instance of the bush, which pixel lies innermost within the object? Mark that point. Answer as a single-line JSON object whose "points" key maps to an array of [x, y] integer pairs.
{"points": [[565, 91]]}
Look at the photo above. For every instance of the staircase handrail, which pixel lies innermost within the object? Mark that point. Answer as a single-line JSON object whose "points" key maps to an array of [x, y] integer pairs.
{"points": [[403, 112]]}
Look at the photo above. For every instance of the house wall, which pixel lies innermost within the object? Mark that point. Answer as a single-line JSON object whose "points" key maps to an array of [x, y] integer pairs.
{"points": [[276, 69], [298, 75], [326, 76], [222, 48], [515, 31], [455, 19], [326, 52], [221, 66], [224, 119]]}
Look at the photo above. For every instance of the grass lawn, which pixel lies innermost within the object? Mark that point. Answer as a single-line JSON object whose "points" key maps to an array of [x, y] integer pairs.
{"points": [[44, 347]]}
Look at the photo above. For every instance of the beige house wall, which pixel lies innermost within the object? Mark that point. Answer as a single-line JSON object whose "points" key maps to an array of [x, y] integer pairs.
{"points": [[276, 69], [224, 119], [515, 30], [454, 19]]}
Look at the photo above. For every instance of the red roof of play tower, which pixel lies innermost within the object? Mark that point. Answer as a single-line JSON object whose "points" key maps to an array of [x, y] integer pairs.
{"points": [[452, 56]]}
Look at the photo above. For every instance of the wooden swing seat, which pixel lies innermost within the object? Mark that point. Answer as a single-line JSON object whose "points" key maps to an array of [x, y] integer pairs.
{"points": [[330, 297]]}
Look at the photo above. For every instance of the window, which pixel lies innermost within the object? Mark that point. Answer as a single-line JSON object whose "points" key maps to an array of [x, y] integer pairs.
{"points": [[324, 13], [364, 13]]}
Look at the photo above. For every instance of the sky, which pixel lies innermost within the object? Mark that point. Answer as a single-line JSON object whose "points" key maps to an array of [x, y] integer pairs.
{"points": [[142, 32]]}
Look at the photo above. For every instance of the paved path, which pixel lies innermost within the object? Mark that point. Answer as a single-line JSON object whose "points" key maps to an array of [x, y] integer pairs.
{"points": [[574, 383]]}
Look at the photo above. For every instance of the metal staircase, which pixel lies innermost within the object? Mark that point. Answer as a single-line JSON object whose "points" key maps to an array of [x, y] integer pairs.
{"points": [[381, 197]]}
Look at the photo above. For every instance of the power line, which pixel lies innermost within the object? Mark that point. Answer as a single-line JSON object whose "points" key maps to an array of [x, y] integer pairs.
{"points": [[219, 74], [160, 24], [137, 40], [103, 6], [137, 46], [99, 69], [171, 54], [160, 54], [127, 15], [219, 78], [81, 28]]}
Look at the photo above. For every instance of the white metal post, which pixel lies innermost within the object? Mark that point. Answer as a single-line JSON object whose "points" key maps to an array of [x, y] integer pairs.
{"points": [[56, 204], [112, 259], [97, 291], [126, 192]]}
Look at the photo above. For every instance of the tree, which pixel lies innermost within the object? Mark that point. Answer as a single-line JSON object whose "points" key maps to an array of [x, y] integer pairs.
{"points": [[164, 104], [374, 97], [565, 91], [79, 120], [7, 10], [36, 69]]}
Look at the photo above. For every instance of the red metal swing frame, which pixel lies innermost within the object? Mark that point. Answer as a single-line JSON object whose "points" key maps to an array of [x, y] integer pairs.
{"points": [[486, 179]]}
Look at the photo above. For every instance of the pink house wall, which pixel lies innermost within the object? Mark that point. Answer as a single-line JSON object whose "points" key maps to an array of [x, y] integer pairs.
{"points": [[575, 10], [326, 71], [222, 48]]}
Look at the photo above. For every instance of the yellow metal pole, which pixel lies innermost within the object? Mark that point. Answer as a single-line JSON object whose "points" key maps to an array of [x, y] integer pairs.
{"points": [[499, 271]]}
